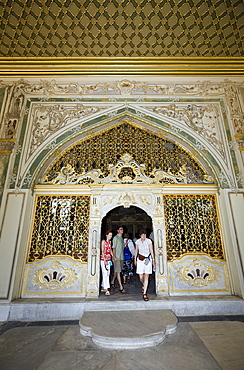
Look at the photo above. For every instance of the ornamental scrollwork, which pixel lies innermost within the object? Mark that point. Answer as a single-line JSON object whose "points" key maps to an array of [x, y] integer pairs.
{"points": [[55, 277], [198, 274], [126, 171], [13, 112], [48, 119], [60, 227], [123, 87], [192, 226], [126, 199], [201, 119], [6, 145]]}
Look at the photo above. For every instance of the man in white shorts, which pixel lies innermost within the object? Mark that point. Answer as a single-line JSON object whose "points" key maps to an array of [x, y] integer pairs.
{"points": [[144, 260]]}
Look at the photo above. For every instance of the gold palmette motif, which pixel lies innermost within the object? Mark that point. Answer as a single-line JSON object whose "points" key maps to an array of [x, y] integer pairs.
{"points": [[106, 149], [192, 226], [60, 227]]}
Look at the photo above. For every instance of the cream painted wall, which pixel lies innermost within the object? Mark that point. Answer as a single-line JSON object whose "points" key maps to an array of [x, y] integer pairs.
{"points": [[20, 261], [237, 210], [232, 250], [11, 229]]}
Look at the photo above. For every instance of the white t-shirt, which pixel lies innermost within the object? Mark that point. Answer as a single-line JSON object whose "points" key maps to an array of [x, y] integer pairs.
{"points": [[143, 247]]}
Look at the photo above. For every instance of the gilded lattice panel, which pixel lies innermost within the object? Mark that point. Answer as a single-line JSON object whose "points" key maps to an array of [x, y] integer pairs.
{"points": [[192, 226], [60, 228], [105, 149], [121, 28]]}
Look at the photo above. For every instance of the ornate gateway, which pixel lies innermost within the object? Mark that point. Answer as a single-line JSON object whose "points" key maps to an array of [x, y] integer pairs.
{"points": [[122, 166]]}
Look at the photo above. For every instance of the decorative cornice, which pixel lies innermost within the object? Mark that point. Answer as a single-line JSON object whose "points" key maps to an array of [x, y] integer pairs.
{"points": [[24, 67]]}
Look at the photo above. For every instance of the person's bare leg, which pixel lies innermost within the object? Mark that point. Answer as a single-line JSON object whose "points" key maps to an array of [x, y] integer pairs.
{"points": [[113, 278], [141, 276], [119, 281], [146, 278]]}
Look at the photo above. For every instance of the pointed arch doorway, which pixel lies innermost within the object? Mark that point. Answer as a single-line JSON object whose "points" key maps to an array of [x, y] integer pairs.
{"points": [[133, 219], [109, 170]]}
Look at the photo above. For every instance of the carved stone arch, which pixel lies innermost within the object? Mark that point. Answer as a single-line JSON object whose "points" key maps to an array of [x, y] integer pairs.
{"points": [[143, 144], [213, 164], [203, 146]]}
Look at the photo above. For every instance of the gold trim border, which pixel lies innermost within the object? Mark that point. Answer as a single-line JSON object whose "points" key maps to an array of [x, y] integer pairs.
{"points": [[59, 66]]}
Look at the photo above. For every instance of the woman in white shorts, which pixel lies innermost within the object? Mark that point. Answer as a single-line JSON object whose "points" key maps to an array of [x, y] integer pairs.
{"points": [[144, 260]]}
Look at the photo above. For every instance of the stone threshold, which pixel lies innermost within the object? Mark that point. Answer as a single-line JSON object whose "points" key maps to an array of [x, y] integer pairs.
{"points": [[73, 308]]}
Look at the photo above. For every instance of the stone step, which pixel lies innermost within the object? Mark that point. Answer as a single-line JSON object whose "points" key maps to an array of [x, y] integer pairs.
{"points": [[27, 309], [128, 329]]}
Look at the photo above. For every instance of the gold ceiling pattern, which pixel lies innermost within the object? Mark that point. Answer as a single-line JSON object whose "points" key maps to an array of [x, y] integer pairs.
{"points": [[121, 28]]}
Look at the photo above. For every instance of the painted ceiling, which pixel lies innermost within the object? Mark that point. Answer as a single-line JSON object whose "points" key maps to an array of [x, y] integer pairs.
{"points": [[121, 28]]}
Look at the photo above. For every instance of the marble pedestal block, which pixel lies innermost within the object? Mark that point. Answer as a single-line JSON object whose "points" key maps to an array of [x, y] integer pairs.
{"points": [[128, 329]]}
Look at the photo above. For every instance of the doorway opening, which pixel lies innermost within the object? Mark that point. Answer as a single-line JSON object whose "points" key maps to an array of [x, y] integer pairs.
{"points": [[133, 219]]}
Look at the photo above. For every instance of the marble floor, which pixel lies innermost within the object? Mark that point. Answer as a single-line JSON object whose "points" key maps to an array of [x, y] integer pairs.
{"points": [[203, 342]]}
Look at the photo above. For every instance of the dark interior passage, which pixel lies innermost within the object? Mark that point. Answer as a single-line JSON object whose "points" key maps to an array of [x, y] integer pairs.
{"points": [[132, 219]]}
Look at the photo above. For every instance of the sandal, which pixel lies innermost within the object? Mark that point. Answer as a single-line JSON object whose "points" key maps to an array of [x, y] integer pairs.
{"points": [[113, 286], [122, 291], [142, 290], [145, 297], [107, 292]]}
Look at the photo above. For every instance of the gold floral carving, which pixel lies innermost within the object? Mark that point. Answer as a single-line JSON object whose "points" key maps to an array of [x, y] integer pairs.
{"points": [[147, 159], [198, 274], [60, 227], [55, 277], [192, 226]]}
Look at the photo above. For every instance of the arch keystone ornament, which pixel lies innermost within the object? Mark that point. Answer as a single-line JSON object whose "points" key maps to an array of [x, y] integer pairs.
{"points": [[126, 199]]}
